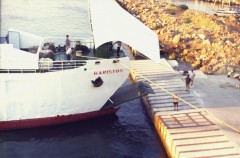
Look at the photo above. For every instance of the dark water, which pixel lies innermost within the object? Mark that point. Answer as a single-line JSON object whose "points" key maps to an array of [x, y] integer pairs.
{"points": [[127, 134]]}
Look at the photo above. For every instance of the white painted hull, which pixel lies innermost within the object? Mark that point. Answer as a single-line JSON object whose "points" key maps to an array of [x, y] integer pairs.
{"points": [[43, 95]]}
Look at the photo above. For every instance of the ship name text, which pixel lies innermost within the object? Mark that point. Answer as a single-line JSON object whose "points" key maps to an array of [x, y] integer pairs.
{"points": [[104, 72]]}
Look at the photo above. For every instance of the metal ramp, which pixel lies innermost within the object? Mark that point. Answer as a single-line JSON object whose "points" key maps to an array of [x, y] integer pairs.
{"points": [[127, 93]]}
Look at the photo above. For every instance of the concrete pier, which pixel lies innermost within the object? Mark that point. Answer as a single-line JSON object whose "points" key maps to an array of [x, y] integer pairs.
{"points": [[189, 132]]}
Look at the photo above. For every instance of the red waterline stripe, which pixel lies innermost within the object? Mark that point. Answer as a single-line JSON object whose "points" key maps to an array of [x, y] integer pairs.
{"points": [[47, 121]]}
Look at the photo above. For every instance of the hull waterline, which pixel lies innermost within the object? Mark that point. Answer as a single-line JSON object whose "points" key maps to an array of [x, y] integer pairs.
{"points": [[57, 120]]}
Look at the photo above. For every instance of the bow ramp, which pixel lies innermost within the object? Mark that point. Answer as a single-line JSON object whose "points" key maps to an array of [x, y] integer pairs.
{"points": [[110, 22]]}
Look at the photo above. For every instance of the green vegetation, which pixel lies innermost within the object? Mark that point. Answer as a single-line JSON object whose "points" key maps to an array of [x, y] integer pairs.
{"points": [[183, 7], [172, 12], [187, 21]]}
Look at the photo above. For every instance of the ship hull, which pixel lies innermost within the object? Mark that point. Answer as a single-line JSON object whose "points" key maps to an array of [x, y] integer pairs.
{"points": [[56, 120], [41, 99]]}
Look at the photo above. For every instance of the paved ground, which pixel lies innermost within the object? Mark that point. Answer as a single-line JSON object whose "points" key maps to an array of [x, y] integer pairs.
{"points": [[219, 95], [189, 132]]}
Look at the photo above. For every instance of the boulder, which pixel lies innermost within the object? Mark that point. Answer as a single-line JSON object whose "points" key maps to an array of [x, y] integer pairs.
{"points": [[172, 56], [206, 37], [176, 39], [202, 36], [229, 42]]}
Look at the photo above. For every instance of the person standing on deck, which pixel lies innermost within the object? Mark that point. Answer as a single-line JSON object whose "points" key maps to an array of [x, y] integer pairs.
{"points": [[52, 51], [119, 45], [68, 45]]}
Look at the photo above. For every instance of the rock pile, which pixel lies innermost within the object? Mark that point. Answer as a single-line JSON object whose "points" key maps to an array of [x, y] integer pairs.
{"points": [[208, 42]]}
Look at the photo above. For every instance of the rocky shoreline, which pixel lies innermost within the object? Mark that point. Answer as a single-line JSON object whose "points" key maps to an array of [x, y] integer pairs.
{"points": [[208, 42]]}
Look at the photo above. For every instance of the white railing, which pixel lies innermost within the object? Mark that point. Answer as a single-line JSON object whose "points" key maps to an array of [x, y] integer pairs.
{"points": [[47, 65]]}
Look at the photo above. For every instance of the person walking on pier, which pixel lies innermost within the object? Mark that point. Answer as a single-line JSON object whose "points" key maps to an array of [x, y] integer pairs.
{"points": [[175, 101], [188, 81], [192, 75]]}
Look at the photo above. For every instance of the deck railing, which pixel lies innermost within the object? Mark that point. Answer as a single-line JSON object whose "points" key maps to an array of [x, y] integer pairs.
{"points": [[59, 65], [47, 65]]}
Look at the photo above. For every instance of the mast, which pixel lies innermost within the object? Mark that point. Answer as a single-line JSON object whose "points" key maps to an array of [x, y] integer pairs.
{"points": [[90, 21]]}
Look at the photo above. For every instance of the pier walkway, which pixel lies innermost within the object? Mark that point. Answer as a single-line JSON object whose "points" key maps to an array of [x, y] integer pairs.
{"points": [[189, 132]]}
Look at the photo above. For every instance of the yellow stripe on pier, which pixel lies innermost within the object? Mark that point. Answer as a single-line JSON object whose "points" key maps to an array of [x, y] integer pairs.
{"points": [[189, 132]]}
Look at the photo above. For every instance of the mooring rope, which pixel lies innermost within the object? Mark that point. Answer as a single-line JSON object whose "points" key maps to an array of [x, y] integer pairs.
{"points": [[210, 114], [167, 91]]}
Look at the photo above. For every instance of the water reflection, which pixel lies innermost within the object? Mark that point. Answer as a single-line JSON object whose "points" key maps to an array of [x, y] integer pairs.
{"points": [[46, 18]]}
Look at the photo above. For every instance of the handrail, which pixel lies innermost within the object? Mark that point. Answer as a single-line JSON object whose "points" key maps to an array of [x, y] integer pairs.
{"points": [[59, 65], [48, 65]]}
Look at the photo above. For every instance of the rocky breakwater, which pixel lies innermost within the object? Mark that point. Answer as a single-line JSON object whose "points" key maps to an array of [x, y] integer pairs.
{"points": [[208, 42]]}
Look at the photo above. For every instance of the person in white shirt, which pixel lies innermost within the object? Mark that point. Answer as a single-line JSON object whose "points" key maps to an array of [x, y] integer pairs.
{"points": [[192, 75], [68, 46]]}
